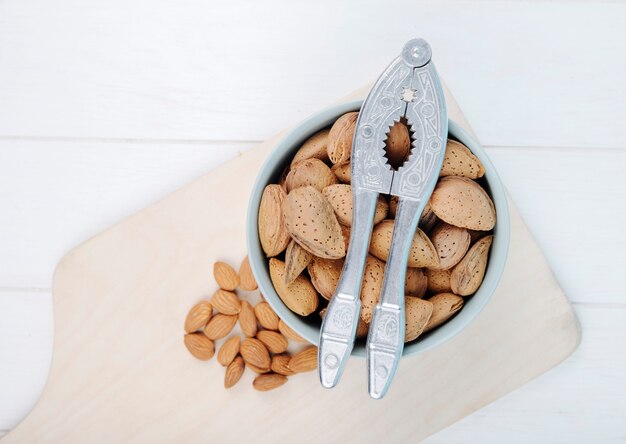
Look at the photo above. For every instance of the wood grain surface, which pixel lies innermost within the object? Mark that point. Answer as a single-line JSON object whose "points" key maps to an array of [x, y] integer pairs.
{"points": [[132, 380], [108, 106]]}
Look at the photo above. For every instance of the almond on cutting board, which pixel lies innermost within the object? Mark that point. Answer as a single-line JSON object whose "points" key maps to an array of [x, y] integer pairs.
{"points": [[296, 260], [268, 381], [311, 221], [310, 172], [340, 138], [272, 233], [463, 203], [273, 341], [234, 371], [451, 244], [247, 320], [280, 364], [315, 147], [255, 353], [226, 302], [340, 198], [459, 161], [468, 274], [228, 351], [198, 316], [422, 253], [300, 296], [445, 305], [246, 278], [225, 276], [266, 316], [325, 275], [199, 346], [305, 360], [220, 326], [417, 312]]}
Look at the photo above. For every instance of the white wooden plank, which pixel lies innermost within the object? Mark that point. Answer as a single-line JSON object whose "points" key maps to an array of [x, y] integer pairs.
{"points": [[526, 73], [574, 202], [583, 398], [581, 401], [57, 194], [25, 352]]}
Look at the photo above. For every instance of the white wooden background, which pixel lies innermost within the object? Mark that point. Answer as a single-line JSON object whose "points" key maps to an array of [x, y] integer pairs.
{"points": [[107, 105]]}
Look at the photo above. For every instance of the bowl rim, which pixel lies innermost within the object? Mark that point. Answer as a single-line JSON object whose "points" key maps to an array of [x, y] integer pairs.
{"points": [[475, 304]]}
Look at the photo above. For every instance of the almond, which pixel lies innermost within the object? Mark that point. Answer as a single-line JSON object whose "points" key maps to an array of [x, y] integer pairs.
{"points": [[315, 147], [300, 296], [273, 341], [438, 281], [325, 275], [246, 278], [310, 172], [280, 364], [463, 203], [255, 353], [229, 350], [289, 333], [198, 316], [393, 205], [226, 302], [417, 313], [199, 346], [247, 320], [220, 326], [311, 221], [362, 328], [372, 286], [428, 219], [256, 369], [451, 244], [233, 372], [272, 233], [345, 232], [416, 282], [296, 260], [282, 181], [422, 253], [266, 316], [468, 274], [397, 145], [459, 161], [445, 305], [225, 276], [340, 198], [342, 171], [269, 381], [305, 360], [340, 138]]}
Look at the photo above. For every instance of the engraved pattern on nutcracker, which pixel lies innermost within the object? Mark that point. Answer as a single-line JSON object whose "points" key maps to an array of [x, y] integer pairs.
{"points": [[427, 138]]}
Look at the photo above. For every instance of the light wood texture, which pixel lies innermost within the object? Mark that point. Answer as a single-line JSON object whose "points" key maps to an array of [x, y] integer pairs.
{"points": [[133, 380], [157, 69], [109, 105]]}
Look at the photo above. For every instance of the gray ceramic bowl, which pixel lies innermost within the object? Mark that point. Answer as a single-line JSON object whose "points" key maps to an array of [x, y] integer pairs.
{"points": [[309, 327]]}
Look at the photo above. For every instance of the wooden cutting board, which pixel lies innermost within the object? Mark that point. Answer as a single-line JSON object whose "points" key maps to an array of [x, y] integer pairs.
{"points": [[120, 372]]}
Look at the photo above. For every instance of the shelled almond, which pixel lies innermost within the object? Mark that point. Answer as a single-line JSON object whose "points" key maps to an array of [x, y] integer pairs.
{"points": [[448, 255], [266, 337]]}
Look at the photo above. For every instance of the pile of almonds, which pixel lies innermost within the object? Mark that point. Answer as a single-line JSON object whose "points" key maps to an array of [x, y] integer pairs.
{"points": [[266, 337], [304, 229]]}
